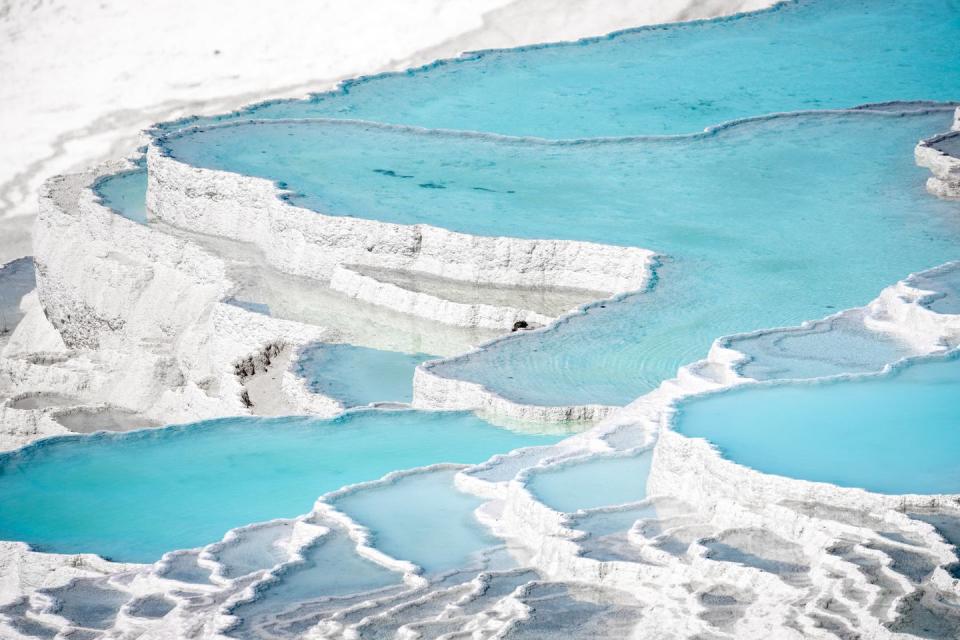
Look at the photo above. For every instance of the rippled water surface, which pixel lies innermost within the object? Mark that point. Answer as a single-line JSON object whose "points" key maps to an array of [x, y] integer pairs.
{"points": [[897, 433], [132, 497]]}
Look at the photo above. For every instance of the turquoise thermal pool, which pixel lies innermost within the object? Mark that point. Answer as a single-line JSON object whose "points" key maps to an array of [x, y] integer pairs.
{"points": [[135, 496], [356, 376], [896, 433], [817, 54], [125, 193], [688, 198]]}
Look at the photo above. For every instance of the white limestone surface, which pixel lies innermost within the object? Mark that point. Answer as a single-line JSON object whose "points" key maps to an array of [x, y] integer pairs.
{"points": [[945, 167], [139, 312], [945, 181]]}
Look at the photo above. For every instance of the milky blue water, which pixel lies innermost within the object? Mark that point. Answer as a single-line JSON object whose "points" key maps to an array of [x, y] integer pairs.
{"points": [[134, 496], [357, 376], [597, 482], [752, 221], [899, 433], [125, 193], [422, 518], [813, 54]]}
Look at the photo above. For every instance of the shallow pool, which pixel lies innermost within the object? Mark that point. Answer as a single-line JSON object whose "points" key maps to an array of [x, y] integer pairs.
{"points": [[125, 193], [597, 482], [899, 433], [356, 376], [134, 496], [422, 518]]}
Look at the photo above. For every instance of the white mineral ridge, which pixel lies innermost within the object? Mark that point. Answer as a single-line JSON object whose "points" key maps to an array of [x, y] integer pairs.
{"points": [[945, 181]]}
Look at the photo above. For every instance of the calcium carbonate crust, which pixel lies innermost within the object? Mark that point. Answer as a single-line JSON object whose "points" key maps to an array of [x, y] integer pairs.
{"points": [[130, 317], [945, 181]]}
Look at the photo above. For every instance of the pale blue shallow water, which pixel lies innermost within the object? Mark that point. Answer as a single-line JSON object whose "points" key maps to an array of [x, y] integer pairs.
{"points": [[765, 224], [422, 518], [125, 193], [357, 376], [813, 54], [898, 433], [597, 482], [135, 496]]}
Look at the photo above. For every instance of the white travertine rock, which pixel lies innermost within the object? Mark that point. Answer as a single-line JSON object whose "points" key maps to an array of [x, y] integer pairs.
{"points": [[303, 242], [143, 309], [38, 335], [945, 182]]}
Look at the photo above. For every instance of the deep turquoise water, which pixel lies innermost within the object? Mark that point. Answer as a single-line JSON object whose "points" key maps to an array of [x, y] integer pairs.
{"points": [[125, 193], [765, 224], [135, 496], [814, 54], [357, 376], [898, 433]]}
